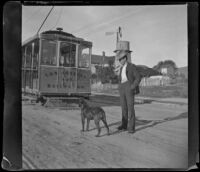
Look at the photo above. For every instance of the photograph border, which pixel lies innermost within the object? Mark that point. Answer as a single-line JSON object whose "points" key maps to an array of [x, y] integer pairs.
{"points": [[12, 112]]}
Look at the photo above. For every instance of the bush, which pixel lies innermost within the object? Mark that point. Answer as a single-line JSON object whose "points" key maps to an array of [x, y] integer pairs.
{"points": [[164, 91], [114, 79]]}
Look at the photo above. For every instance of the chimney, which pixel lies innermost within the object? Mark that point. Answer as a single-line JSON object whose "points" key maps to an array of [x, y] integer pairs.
{"points": [[103, 58], [59, 29]]}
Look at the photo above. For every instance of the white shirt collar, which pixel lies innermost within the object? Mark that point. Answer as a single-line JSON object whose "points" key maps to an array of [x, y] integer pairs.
{"points": [[124, 66]]}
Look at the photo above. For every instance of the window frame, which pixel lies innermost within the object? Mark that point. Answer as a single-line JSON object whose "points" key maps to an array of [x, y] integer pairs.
{"points": [[75, 54], [41, 53], [81, 48]]}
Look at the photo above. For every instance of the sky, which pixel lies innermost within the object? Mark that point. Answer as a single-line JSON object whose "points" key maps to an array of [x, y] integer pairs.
{"points": [[155, 32]]}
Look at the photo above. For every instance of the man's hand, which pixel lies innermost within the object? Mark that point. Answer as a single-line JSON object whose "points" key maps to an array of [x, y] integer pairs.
{"points": [[132, 87]]}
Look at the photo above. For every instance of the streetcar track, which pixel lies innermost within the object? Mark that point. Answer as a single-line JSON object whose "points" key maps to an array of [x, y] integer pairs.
{"points": [[107, 100]]}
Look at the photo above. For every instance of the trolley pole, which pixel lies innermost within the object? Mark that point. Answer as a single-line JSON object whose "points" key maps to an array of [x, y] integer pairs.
{"points": [[117, 40], [45, 20]]}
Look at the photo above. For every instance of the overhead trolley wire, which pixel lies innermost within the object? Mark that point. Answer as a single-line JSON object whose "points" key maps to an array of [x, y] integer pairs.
{"points": [[98, 27], [45, 20]]}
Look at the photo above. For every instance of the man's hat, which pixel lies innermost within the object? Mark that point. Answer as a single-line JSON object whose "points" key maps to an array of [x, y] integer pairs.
{"points": [[123, 46], [121, 54]]}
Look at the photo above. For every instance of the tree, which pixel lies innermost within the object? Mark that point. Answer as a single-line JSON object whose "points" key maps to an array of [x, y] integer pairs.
{"points": [[170, 62], [94, 78], [167, 64], [106, 75], [158, 66], [99, 70], [110, 63]]}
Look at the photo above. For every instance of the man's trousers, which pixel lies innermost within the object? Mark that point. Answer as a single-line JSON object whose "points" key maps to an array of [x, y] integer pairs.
{"points": [[127, 105]]}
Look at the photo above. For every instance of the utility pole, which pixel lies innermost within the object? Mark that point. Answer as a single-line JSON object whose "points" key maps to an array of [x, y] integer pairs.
{"points": [[119, 34]]}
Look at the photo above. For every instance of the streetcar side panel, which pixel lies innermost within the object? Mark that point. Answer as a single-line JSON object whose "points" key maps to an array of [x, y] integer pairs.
{"points": [[65, 68], [83, 81]]}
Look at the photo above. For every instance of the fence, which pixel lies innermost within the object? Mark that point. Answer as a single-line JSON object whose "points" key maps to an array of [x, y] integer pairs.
{"points": [[99, 86], [155, 81]]}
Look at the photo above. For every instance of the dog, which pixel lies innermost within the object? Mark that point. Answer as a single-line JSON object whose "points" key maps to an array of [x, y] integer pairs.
{"points": [[92, 113], [41, 99]]}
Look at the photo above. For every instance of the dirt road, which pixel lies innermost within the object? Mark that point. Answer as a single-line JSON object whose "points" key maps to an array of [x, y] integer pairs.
{"points": [[52, 139]]}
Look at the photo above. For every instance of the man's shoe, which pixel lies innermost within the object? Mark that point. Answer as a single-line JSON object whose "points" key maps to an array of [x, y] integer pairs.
{"points": [[121, 127], [131, 132]]}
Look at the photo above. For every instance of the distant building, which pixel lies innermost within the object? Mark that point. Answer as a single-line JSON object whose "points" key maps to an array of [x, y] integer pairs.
{"points": [[100, 60], [164, 71], [167, 70]]}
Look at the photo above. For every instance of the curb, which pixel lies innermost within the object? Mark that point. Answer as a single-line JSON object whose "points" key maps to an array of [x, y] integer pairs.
{"points": [[147, 99]]}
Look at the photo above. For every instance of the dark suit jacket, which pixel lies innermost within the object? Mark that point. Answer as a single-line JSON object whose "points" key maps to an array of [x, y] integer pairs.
{"points": [[133, 77]]}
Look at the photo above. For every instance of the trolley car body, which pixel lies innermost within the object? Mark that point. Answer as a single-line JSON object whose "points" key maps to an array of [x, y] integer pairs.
{"points": [[56, 63]]}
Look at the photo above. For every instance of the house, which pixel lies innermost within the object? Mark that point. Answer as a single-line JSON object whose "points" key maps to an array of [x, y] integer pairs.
{"points": [[100, 60], [167, 70]]}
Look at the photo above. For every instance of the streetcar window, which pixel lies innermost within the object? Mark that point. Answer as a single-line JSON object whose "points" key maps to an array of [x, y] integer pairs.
{"points": [[84, 58], [35, 47], [67, 54], [48, 54], [28, 55], [23, 56]]}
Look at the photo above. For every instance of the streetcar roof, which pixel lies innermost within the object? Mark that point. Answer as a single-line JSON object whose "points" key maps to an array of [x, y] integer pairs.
{"points": [[30, 39], [55, 35]]}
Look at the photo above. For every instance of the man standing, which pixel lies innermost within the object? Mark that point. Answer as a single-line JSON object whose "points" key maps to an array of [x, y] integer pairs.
{"points": [[129, 80]]}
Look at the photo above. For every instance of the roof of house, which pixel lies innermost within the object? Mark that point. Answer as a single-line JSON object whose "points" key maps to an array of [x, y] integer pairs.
{"points": [[98, 59]]}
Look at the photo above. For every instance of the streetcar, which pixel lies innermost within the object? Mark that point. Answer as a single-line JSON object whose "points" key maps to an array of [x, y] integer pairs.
{"points": [[56, 64]]}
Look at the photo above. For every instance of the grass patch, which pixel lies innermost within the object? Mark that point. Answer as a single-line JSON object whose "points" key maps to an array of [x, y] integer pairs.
{"points": [[178, 90]]}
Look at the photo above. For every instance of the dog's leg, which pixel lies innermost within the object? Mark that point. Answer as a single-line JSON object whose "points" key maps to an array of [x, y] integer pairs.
{"points": [[98, 126], [83, 121], [106, 125], [88, 123]]}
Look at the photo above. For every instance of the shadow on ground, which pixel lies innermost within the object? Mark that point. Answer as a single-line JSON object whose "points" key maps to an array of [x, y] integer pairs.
{"points": [[143, 123], [155, 122]]}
